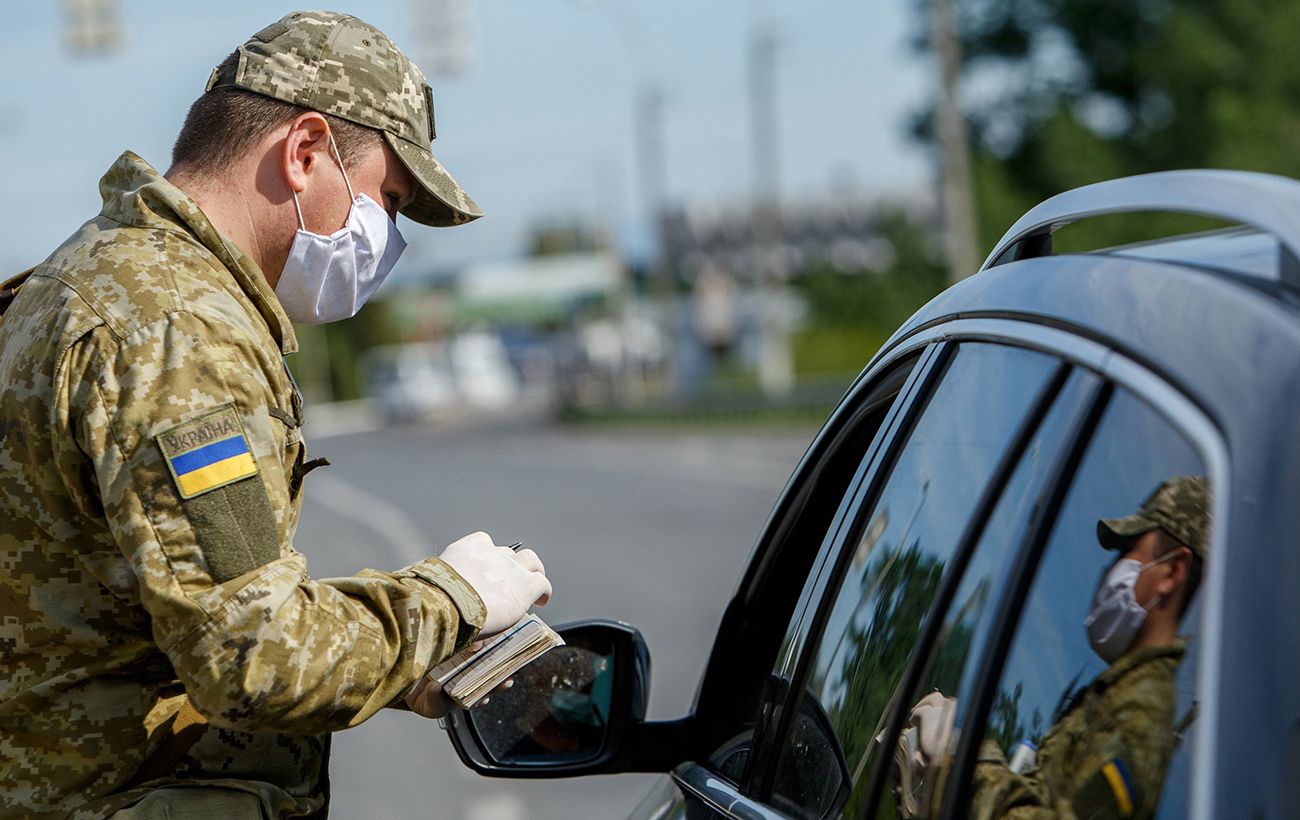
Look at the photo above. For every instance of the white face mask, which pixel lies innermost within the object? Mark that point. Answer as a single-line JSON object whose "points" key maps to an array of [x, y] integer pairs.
{"points": [[1116, 614], [327, 278]]}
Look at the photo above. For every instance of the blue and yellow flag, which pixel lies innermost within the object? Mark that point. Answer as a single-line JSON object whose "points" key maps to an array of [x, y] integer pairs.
{"points": [[208, 452], [1120, 786]]}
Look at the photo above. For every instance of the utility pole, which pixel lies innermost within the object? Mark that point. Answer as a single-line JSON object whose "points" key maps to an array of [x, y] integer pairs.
{"points": [[652, 169], [775, 363], [957, 195], [444, 36], [94, 26]]}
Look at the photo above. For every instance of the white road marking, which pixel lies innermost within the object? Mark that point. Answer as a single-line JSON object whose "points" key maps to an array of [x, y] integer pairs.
{"points": [[697, 461], [373, 513], [500, 806]]}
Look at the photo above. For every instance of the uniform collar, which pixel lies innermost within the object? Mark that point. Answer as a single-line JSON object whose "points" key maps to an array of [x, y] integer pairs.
{"points": [[135, 194], [1132, 660]]}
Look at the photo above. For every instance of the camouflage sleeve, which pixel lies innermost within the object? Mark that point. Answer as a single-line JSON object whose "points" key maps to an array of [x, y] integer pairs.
{"points": [[174, 422], [1124, 772], [998, 792], [1114, 766]]}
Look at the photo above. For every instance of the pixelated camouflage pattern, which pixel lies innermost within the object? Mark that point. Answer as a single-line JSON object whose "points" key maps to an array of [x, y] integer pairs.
{"points": [[109, 616], [1179, 506], [1126, 714], [339, 65]]}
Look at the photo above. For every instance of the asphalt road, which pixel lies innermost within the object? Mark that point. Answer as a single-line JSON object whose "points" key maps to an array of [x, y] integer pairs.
{"points": [[653, 528]]}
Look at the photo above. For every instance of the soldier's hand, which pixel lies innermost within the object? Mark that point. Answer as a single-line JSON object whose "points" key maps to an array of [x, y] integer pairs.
{"points": [[428, 699], [509, 582]]}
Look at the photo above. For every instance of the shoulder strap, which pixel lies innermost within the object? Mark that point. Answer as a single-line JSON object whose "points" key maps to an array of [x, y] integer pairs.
{"points": [[187, 726], [9, 289], [1186, 721]]}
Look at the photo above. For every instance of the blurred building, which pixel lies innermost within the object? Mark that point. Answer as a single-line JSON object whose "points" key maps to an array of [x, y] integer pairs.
{"points": [[541, 289], [842, 233]]}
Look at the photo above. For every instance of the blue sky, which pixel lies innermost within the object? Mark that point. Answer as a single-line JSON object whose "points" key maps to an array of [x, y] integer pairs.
{"points": [[540, 129]]}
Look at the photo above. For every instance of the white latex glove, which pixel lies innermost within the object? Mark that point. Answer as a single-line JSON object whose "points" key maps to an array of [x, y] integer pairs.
{"points": [[932, 718], [509, 582]]}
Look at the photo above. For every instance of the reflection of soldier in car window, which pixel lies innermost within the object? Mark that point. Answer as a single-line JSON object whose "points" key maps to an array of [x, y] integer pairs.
{"points": [[1106, 753]]}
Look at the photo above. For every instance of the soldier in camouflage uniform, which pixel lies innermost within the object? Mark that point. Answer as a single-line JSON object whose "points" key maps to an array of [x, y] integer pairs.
{"points": [[1107, 754], [163, 651]]}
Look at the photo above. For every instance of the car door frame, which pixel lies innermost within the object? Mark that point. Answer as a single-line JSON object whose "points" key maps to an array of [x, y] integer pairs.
{"points": [[760, 778], [695, 780], [1113, 369]]}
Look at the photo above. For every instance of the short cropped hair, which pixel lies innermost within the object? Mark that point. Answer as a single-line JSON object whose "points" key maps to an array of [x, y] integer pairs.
{"points": [[226, 123]]}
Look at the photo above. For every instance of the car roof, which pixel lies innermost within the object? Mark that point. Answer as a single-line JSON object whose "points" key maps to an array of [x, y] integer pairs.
{"points": [[1195, 325]]}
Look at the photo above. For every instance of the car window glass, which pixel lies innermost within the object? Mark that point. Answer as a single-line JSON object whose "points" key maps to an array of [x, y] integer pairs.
{"points": [[852, 453], [893, 567], [953, 658], [821, 496], [1096, 692]]}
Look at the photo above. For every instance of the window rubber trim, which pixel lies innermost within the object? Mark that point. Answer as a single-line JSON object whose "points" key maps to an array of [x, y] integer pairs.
{"points": [[938, 612], [896, 402], [927, 375], [806, 605]]}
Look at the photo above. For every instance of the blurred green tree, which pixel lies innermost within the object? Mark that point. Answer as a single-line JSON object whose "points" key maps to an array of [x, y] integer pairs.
{"points": [[852, 313], [1061, 93]]}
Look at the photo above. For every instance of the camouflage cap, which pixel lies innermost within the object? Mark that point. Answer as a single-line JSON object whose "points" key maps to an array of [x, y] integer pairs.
{"points": [[1179, 506], [339, 65]]}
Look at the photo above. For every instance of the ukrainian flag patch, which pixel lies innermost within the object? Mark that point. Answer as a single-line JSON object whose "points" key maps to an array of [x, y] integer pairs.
{"points": [[1120, 786], [208, 452]]}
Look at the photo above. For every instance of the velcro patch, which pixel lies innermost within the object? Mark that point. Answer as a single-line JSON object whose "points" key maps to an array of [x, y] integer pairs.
{"points": [[208, 452]]}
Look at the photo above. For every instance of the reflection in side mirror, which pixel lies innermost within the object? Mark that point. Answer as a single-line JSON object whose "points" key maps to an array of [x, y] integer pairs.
{"points": [[555, 708], [566, 713]]}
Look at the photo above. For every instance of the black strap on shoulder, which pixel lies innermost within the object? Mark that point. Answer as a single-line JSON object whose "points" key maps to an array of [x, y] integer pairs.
{"points": [[1185, 723], [9, 289], [185, 729]]}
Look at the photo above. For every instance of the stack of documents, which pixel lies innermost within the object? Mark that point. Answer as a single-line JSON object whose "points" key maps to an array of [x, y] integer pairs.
{"points": [[474, 671]]}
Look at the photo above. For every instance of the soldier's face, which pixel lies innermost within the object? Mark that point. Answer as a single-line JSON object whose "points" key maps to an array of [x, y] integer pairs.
{"points": [[377, 173], [380, 175]]}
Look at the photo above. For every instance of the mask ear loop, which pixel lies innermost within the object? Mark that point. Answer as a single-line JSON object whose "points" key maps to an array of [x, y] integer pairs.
{"points": [[1148, 565], [338, 158], [302, 226]]}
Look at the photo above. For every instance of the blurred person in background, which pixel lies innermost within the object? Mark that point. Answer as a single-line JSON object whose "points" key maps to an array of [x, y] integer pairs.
{"points": [[165, 653]]}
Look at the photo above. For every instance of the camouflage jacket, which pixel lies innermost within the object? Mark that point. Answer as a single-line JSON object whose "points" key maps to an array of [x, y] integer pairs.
{"points": [[150, 464], [1105, 757]]}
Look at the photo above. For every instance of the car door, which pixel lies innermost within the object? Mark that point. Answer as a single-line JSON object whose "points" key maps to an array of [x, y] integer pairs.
{"points": [[905, 518], [913, 534], [794, 544]]}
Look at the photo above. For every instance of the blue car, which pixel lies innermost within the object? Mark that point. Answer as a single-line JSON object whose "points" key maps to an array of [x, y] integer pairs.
{"points": [[948, 613]]}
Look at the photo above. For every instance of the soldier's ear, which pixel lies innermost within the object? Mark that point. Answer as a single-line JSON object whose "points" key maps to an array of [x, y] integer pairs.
{"points": [[1179, 568], [305, 146]]}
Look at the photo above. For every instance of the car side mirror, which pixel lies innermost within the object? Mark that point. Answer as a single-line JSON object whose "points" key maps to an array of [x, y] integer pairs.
{"points": [[567, 713]]}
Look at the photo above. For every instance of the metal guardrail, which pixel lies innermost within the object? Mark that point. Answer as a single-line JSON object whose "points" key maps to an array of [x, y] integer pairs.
{"points": [[1264, 201]]}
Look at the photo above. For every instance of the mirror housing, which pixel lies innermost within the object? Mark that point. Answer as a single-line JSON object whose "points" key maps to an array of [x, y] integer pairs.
{"points": [[571, 712]]}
